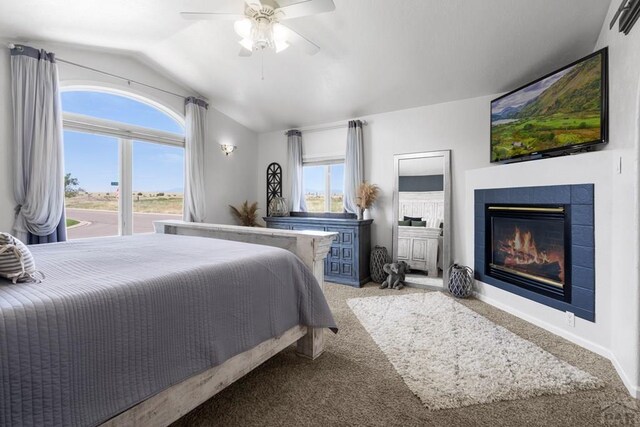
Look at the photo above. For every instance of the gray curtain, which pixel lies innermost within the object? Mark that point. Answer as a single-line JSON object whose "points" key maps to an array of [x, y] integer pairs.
{"points": [[294, 149], [353, 165], [196, 130], [38, 178]]}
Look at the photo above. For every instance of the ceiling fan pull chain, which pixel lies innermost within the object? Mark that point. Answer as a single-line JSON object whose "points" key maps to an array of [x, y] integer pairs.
{"points": [[262, 60]]}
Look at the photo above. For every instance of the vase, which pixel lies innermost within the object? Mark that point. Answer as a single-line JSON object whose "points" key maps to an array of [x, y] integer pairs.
{"points": [[379, 257], [278, 207], [366, 214], [460, 281], [359, 213]]}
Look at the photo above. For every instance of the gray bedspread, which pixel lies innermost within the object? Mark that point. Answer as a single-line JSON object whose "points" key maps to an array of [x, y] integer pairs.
{"points": [[119, 319]]}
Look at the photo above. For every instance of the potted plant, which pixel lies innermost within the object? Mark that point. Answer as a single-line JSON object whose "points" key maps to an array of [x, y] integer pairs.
{"points": [[367, 196], [247, 215]]}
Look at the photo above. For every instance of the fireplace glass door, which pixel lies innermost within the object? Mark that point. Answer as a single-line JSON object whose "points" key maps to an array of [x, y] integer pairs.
{"points": [[527, 246]]}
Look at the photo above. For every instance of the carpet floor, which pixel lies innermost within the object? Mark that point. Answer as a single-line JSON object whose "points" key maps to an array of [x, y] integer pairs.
{"points": [[354, 384]]}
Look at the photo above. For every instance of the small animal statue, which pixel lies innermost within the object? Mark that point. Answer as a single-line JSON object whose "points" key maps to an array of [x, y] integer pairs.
{"points": [[396, 274]]}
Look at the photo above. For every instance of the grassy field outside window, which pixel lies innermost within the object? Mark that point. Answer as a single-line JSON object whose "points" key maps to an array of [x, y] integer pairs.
{"points": [[143, 202]]}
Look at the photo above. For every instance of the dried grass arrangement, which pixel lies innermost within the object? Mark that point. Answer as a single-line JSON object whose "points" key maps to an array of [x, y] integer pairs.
{"points": [[247, 215], [367, 195]]}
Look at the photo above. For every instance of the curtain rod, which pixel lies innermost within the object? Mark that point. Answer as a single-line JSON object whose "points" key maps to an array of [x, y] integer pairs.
{"points": [[344, 125], [129, 81]]}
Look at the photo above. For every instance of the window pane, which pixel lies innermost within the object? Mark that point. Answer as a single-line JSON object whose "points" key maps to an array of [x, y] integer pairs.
{"points": [[314, 182], [158, 190], [118, 108], [337, 187], [91, 167]]}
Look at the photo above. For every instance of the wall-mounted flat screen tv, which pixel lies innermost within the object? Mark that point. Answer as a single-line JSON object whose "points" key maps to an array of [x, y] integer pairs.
{"points": [[562, 112]]}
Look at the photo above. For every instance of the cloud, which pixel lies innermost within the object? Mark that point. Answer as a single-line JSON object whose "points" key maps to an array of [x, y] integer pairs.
{"points": [[528, 93]]}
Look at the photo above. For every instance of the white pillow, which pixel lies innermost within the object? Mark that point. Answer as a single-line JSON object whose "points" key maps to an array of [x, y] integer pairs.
{"points": [[432, 222], [16, 261]]}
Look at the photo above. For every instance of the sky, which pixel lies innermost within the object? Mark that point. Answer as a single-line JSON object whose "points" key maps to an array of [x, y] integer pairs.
{"points": [[93, 159], [314, 179], [528, 93]]}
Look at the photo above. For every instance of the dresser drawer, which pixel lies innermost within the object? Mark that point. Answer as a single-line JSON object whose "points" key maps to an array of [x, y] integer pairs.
{"points": [[345, 236]]}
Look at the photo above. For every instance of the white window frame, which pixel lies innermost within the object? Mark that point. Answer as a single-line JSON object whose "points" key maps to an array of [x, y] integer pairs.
{"points": [[95, 125], [125, 134], [327, 162]]}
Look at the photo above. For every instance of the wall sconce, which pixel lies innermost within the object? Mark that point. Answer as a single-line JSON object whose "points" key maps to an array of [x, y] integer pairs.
{"points": [[227, 148]]}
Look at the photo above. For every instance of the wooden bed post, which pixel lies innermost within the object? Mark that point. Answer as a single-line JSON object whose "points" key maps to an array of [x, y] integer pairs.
{"points": [[312, 344]]}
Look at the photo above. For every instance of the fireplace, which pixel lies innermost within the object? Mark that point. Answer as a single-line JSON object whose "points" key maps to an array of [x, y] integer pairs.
{"points": [[538, 243], [529, 246]]}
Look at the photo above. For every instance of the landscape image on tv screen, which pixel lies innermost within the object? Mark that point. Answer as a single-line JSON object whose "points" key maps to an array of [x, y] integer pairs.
{"points": [[556, 112]]}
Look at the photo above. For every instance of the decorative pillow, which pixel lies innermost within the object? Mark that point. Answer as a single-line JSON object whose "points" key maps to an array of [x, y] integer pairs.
{"points": [[405, 223], [418, 223], [412, 218], [16, 261]]}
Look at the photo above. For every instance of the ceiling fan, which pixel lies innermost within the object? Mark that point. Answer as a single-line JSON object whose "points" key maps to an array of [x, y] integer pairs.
{"points": [[260, 26]]}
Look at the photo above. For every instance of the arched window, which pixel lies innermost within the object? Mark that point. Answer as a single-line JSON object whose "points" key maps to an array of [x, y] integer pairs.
{"points": [[124, 163]]}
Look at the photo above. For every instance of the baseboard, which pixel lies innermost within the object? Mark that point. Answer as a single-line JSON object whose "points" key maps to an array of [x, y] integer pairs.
{"points": [[633, 389]]}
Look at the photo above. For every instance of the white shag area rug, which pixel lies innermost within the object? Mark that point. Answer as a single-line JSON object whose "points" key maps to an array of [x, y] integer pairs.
{"points": [[450, 356]]}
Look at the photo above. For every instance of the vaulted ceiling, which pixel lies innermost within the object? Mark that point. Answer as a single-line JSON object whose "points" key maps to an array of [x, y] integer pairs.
{"points": [[377, 55]]}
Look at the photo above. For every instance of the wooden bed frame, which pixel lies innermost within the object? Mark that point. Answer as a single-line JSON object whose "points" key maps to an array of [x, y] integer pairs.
{"points": [[169, 405]]}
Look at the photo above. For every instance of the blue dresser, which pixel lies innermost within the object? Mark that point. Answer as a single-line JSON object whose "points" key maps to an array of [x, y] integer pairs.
{"points": [[348, 259]]}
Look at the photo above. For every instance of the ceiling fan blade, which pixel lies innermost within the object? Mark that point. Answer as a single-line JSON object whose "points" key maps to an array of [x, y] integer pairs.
{"points": [[295, 38], [306, 8], [244, 52], [211, 15]]}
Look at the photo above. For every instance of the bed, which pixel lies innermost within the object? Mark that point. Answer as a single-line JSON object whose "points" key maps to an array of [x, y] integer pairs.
{"points": [[140, 329], [421, 247]]}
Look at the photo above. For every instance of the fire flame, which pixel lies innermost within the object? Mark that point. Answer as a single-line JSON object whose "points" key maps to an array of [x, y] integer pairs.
{"points": [[522, 250]]}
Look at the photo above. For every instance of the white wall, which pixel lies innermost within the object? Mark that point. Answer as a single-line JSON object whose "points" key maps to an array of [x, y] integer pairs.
{"points": [[624, 113], [228, 180], [462, 126]]}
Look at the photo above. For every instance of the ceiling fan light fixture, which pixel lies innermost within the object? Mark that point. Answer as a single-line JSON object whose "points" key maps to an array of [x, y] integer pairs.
{"points": [[262, 33], [259, 27], [279, 32], [243, 28], [247, 44]]}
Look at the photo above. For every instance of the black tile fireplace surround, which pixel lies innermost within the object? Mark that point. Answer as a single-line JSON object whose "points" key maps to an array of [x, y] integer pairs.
{"points": [[538, 242]]}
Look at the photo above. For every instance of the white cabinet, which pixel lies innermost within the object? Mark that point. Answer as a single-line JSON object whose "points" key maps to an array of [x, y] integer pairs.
{"points": [[404, 249], [419, 247]]}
